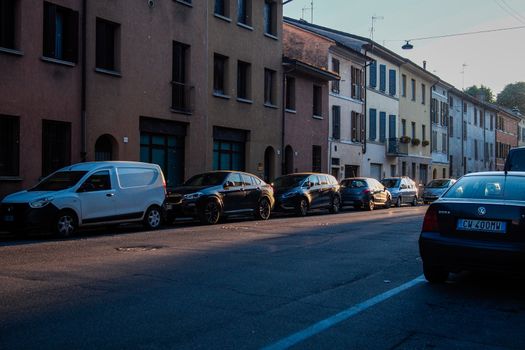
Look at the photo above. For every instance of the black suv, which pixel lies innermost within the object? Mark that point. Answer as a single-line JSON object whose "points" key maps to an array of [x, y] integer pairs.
{"points": [[303, 191], [515, 159], [212, 195]]}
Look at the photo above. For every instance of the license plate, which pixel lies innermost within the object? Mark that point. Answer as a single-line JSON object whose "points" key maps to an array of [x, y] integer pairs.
{"points": [[481, 225], [9, 218]]}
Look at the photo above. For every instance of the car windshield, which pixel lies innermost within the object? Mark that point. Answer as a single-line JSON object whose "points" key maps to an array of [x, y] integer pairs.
{"points": [[354, 183], [59, 181], [438, 183], [206, 179], [289, 180], [488, 187], [390, 183]]}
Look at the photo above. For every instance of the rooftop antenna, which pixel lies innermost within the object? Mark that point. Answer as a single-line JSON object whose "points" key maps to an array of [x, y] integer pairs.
{"points": [[311, 8], [372, 29]]}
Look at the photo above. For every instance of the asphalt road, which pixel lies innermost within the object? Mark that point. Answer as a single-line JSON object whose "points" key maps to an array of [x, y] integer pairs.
{"points": [[345, 281]]}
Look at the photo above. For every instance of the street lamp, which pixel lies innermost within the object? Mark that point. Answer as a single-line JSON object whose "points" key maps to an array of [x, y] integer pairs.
{"points": [[407, 46]]}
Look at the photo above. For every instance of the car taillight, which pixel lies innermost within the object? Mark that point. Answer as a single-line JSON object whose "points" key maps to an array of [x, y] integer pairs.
{"points": [[367, 191], [430, 223]]}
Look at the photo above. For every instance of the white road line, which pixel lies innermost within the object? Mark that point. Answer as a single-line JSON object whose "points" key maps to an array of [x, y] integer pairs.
{"points": [[329, 322]]}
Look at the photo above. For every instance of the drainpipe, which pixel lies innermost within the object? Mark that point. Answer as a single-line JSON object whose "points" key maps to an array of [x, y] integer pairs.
{"points": [[364, 105], [83, 150]]}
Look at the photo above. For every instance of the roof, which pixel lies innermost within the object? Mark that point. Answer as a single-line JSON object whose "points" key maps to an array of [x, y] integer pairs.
{"points": [[310, 69], [88, 166]]}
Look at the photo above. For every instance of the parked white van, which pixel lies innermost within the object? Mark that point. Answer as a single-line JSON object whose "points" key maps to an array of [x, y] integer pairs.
{"points": [[90, 193]]}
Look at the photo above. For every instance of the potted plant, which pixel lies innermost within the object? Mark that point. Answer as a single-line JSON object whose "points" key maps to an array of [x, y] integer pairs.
{"points": [[416, 141], [425, 143], [404, 139]]}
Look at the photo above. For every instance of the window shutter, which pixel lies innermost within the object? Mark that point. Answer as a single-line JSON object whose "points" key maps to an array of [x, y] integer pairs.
{"points": [[391, 126], [392, 82], [71, 36], [382, 126], [361, 85], [336, 122], [373, 120], [373, 74], [382, 77]]}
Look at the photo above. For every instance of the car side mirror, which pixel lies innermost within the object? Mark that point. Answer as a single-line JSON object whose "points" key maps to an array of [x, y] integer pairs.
{"points": [[403, 187], [228, 184]]}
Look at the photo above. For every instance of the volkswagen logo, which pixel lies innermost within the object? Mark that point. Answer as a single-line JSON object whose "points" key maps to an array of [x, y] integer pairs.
{"points": [[482, 211]]}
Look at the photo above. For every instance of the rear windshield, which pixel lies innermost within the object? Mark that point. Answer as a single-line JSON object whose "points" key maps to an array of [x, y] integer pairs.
{"points": [[354, 183], [289, 181], [438, 183], [206, 179], [390, 183], [488, 187], [59, 181]]}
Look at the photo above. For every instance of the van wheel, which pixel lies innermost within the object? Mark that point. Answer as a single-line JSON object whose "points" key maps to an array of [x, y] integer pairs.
{"points": [[65, 224], [210, 213], [153, 218], [336, 205], [263, 210], [302, 207]]}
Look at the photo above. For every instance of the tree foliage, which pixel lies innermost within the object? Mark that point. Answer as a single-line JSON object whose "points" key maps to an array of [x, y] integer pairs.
{"points": [[513, 95], [482, 91]]}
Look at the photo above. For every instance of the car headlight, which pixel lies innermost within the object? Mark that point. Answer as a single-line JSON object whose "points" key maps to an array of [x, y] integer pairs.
{"points": [[40, 203], [192, 196]]}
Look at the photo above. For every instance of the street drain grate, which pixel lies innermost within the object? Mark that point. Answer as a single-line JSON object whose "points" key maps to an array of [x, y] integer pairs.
{"points": [[140, 248]]}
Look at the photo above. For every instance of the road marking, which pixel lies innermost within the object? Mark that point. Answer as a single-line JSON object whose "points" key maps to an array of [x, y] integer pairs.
{"points": [[329, 322]]}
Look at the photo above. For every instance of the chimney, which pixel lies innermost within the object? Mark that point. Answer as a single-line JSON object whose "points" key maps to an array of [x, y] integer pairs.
{"points": [[425, 65]]}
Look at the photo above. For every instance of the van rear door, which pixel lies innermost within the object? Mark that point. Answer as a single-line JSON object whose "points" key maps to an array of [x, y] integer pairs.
{"points": [[138, 187]]}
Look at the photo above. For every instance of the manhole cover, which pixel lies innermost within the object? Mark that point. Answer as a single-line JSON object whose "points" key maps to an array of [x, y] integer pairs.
{"points": [[140, 248]]}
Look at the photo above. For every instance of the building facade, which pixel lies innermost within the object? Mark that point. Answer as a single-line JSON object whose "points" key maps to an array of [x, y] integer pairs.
{"points": [[439, 140], [506, 134]]}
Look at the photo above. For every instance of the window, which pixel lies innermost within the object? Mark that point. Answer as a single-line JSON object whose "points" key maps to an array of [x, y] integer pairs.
{"points": [[180, 99], [382, 127], [444, 143], [451, 127], [318, 101], [99, 181], [434, 141], [220, 66], [476, 149], [290, 93], [357, 126], [228, 155], [56, 145], [413, 172], [7, 23], [60, 33], [244, 12], [403, 85], [491, 122], [382, 78], [392, 82], [475, 116], [335, 69], [413, 130], [464, 107], [243, 80], [357, 83], [269, 87], [136, 177], [373, 74], [372, 134], [423, 94], [413, 88], [336, 122], [433, 110], [451, 101], [464, 130], [222, 8], [9, 145], [403, 127], [107, 45], [403, 168], [423, 133], [270, 17], [316, 158]]}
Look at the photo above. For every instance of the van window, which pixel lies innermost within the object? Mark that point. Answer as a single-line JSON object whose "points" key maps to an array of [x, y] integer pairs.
{"points": [[136, 177], [99, 181]]}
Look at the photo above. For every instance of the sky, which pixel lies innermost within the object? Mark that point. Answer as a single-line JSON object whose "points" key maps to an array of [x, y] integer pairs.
{"points": [[492, 59]]}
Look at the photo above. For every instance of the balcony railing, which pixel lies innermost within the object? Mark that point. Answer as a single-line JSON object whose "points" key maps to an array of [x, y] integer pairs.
{"points": [[182, 99], [396, 148]]}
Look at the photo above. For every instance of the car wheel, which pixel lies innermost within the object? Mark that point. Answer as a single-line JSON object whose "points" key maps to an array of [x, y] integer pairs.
{"points": [[414, 201], [211, 213], [302, 207], [65, 224], [336, 205], [370, 205], [388, 203], [153, 218], [434, 274], [398, 202], [264, 209]]}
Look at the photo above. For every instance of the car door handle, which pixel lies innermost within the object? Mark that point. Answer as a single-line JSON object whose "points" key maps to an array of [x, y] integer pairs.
{"points": [[110, 194]]}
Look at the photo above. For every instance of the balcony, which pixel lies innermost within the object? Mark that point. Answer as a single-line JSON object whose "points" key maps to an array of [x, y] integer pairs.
{"points": [[396, 148], [182, 99]]}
